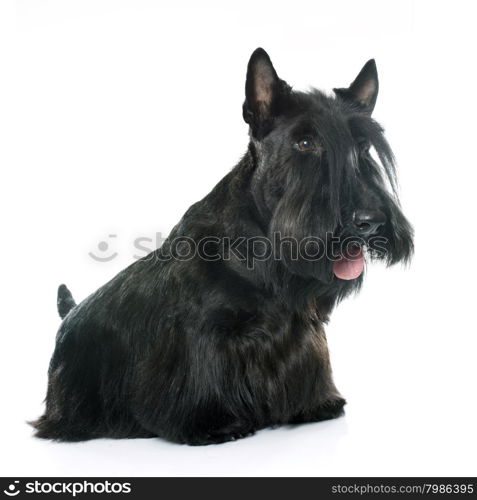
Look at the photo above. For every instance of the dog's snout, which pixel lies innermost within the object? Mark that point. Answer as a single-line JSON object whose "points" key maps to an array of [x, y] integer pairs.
{"points": [[368, 222]]}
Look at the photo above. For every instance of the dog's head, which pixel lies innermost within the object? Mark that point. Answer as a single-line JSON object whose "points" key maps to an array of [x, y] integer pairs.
{"points": [[325, 175]]}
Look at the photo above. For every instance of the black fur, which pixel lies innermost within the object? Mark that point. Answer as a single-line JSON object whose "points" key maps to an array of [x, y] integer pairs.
{"points": [[206, 350]]}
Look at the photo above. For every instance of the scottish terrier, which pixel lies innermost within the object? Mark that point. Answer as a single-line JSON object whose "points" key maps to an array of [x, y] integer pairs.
{"points": [[219, 332]]}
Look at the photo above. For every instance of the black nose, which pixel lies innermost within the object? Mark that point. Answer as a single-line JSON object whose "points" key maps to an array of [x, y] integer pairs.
{"points": [[368, 222]]}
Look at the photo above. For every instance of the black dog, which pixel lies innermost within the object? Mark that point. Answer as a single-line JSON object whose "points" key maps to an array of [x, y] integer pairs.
{"points": [[220, 331]]}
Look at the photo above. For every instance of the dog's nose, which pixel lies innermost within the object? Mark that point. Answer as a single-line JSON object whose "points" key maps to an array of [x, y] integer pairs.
{"points": [[368, 222]]}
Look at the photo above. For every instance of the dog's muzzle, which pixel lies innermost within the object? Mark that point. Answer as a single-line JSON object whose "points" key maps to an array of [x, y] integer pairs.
{"points": [[368, 222]]}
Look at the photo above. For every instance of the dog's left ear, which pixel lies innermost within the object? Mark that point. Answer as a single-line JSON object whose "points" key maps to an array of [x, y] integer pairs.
{"points": [[264, 93], [364, 90]]}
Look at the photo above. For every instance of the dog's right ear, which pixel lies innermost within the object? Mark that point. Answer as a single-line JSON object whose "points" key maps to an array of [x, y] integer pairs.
{"points": [[263, 93]]}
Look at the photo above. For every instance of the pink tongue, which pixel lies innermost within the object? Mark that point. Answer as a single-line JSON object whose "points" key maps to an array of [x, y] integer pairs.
{"points": [[350, 266]]}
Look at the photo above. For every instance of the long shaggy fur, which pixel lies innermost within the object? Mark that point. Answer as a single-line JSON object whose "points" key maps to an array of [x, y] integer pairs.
{"points": [[205, 350]]}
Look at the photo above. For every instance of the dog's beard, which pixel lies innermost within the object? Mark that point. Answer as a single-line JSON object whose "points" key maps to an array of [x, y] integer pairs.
{"points": [[301, 247], [330, 258], [311, 212], [395, 244], [294, 218]]}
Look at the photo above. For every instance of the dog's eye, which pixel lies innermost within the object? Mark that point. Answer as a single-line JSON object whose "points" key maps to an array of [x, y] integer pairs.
{"points": [[306, 144]]}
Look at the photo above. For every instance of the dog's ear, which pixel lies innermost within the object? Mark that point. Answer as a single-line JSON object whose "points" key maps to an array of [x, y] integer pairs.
{"points": [[364, 90], [264, 92]]}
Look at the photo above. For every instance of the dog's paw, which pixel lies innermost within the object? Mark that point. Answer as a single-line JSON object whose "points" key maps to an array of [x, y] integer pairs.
{"points": [[331, 408], [217, 437]]}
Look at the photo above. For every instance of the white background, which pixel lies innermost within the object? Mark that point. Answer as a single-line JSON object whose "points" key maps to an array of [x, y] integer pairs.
{"points": [[117, 115]]}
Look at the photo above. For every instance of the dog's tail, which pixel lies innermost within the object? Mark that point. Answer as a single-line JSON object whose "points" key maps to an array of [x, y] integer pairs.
{"points": [[65, 301]]}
